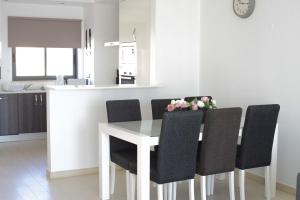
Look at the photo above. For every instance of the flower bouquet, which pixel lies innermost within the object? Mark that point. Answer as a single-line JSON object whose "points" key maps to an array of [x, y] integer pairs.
{"points": [[205, 103]]}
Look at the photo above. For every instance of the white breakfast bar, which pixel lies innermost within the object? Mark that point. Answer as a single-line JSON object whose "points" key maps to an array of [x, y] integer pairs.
{"points": [[146, 134], [73, 114]]}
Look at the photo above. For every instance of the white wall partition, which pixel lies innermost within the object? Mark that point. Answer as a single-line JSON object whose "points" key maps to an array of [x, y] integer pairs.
{"points": [[256, 61]]}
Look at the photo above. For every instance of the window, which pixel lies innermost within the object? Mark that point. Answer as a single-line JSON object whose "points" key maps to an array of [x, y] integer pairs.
{"points": [[31, 63]]}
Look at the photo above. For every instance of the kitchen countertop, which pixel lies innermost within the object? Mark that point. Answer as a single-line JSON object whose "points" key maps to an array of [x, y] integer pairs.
{"points": [[23, 92], [98, 87]]}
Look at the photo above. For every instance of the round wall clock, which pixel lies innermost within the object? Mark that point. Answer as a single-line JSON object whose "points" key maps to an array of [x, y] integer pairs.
{"points": [[243, 8]]}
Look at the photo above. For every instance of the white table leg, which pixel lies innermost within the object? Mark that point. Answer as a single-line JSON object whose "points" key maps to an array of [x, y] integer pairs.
{"points": [[104, 166], [143, 170], [273, 166], [112, 177]]}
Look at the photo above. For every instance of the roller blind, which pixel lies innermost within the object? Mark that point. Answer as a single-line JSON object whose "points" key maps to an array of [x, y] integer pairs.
{"points": [[41, 32]]}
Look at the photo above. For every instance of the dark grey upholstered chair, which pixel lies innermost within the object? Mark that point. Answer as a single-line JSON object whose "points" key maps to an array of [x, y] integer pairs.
{"points": [[176, 157], [159, 107], [298, 188], [217, 151], [121, 152], [257, 142], [189, 99]]}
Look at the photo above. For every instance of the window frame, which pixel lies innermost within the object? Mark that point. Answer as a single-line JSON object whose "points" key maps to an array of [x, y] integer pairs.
{"points": [[45, 77]]}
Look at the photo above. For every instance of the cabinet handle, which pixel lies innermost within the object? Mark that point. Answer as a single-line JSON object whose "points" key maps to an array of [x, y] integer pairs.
{"points": [[41, 98], [36, 99]]}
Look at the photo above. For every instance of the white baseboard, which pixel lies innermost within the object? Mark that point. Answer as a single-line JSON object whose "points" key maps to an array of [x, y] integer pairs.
{"points": [[71, 173], [23, 137]]}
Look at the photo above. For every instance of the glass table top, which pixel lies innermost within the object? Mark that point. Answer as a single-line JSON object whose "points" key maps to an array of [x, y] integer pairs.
{"points": [[149, 128]]}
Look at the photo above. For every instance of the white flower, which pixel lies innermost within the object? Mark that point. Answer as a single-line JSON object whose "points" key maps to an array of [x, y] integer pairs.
{"points": [[214, 102], [200, 104], [173, 102]]}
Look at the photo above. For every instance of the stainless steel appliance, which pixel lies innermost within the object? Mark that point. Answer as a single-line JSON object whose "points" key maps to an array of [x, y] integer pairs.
{"points": [[127, 63]]}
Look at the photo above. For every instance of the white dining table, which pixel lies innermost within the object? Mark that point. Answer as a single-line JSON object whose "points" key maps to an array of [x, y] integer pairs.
{"points": [[145, 134]]}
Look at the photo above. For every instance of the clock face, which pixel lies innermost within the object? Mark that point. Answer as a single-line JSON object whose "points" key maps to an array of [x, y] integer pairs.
{"points": [[243, 8]]}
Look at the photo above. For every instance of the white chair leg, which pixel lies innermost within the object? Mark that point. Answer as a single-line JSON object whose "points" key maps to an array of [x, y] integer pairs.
{"points": [[160, 192], [165, 187], [203, 187], [267, 183], [128, 191], [170, 191], [132, 186], [174, 187], [112, 177], [212, 186], [208, 184], [192, 189], [242, 184], [231, 185]]}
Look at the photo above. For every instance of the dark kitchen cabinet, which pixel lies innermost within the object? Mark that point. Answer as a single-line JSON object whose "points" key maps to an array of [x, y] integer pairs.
{"points": [[32, 113], [9, 114]]}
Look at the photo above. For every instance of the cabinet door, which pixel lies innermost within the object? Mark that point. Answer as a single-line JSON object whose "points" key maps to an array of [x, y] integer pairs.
{"points": [[29, 119], [9, 114]]}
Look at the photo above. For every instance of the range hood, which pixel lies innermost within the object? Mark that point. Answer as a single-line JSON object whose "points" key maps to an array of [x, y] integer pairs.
{"points": [[112, 44]]}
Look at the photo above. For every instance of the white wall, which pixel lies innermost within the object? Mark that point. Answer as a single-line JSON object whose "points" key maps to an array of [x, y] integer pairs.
{"points": [[177, 45], [0, 35], [256, 61], [106, 19], [136, 14], [30, 10]]}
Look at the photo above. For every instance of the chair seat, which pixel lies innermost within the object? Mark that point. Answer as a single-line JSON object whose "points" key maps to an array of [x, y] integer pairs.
{"points": [[154, 176], [248, 164], [123, 158]]}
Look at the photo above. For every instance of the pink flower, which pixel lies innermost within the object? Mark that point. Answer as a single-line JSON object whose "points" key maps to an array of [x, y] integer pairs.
{"points": [[178, 105], [194, 106], [185, 105], [205, 99], [171, 107]]}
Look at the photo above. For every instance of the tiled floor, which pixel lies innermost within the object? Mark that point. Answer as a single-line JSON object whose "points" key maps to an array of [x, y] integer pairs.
{"points": [[23, 177]]}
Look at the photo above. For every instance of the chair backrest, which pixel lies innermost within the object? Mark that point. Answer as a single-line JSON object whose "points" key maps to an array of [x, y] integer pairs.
{"points": [[122, 111], [177, 153], [159, 107], [298, 188], [189, 99], [217, 152], [258, 135]]}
